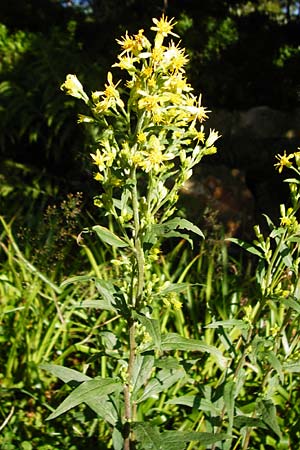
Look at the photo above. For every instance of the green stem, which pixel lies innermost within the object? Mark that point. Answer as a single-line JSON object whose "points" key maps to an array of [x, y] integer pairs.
{"points": [[136, 298], [272, 262]]}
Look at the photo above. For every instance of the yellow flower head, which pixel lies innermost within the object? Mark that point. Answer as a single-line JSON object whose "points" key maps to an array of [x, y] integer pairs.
{"points": [[134, 44], [141, 137], [164, 26], [174, 58], [149, 103], [127, 43], [73, 87], [111, 90], [195, 109], [110, 95], [284, 161], [154, 156], [126, 63], [213, 136], [99, 160]]}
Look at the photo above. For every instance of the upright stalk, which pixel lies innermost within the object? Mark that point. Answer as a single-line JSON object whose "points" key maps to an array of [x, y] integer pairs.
{"points": [[136, 297]]}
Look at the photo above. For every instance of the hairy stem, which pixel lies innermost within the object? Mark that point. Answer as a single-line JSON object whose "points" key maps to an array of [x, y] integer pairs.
{"points": [[136, 297]]}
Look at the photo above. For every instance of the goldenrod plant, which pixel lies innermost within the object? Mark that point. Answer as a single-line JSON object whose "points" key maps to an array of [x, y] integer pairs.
{"points": [[141, 378], [150, 136]]}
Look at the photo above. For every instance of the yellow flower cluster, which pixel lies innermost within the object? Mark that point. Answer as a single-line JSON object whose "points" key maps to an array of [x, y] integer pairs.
{"points": [[161, 119]]}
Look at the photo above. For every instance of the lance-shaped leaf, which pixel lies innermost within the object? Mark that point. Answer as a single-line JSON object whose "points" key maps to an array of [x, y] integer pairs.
{"points": [[245, 421], [107, 291], [151, 439], [174, 341], [168, 229], [267, 411], [141, 372], [248, 247], [228, 394], [85, 392], [152, 327], [178, 439], [108, 236], [104, 408], [293, 366], [65, 374], [240, 324], [164, 379]]}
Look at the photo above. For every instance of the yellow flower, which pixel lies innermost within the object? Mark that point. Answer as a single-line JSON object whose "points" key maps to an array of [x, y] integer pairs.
{"points": [[73, 87], [157, 54], [99, 160], [199, 135], [158, 118], [154, 156], [174, 58], [213, 136], [98, 177], [164, 26], [178, 83], [151, 83], [195, 110], [126, 63], [110, 88], [284, 161], [134, 44], [146, 72], [127, 43], [285, 221], [177, 305], [149, 103], [110, 95], [141, 137]]}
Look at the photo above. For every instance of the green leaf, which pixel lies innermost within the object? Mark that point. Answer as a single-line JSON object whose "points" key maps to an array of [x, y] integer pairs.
{"points": [[240, 324], [229, 392], [291, 303], [171, 439], [151, 439], [245, 421], [117, 439], [174, 287], [141, 372], [168, 229], [184, 224], [76, 279], [293, 366], [174, 341], [164, 379], [185, 400], [148, 435], [85, 392], [267, 411], [152, 327], [104, 408], [275, 363], [97, 304], [248, 247], [108, 236], [65, 374]]}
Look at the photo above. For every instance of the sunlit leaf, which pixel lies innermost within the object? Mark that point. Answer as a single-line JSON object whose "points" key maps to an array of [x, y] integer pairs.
{"points": [[85, 392], [108, 236], [65, 374]]}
